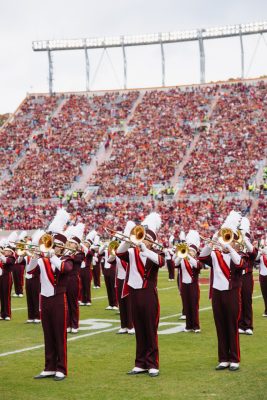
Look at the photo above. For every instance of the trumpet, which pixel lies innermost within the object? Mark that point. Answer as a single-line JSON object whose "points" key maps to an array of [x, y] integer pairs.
{"points": [[137, 236]]}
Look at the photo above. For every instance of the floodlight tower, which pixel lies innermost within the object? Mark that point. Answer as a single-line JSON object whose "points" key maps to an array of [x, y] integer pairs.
{"points": [[197, 35]]}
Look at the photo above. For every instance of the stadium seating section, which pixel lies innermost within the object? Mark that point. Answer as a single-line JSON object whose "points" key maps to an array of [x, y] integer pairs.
{"points": [[206, 141]]}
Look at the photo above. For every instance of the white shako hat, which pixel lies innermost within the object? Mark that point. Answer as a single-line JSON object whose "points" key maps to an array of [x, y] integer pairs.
{"points": [[193, 239], [90, 237], [22, 236], [152, 223], [57, 226], [182, 236], [232, 221], [74, 233], [9, 244]]}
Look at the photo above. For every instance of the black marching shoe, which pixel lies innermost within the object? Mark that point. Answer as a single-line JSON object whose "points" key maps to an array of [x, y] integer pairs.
{"points": [[234, 367], [59, 376]]}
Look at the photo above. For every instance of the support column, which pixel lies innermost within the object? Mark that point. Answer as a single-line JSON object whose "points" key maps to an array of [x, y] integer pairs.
{"points": [[124, 63], [50, 72], [242, 53], [87, 69], [162, 63], [202, 57]]}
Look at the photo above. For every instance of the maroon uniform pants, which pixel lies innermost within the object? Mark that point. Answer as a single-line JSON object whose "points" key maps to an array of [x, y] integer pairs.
{"points": [[73, 290], [18, 278], [246, 318], [54, 322], [226, 307], [33, 288], [96, 275], [145, 309], [109, 276], [190, 298], [5, 294], [170, 266], [125, 306], [263, 284], [86, 277]]}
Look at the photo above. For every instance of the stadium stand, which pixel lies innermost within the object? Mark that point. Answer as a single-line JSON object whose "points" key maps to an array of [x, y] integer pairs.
{"points": [[216, 132]]}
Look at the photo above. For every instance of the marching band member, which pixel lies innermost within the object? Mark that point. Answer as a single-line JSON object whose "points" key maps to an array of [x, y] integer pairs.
{"points": [[262, 259], [89, 246], [54, 270], [74, 235], [225, 286], [189, 269], [97, 269], [32, 281], [7, 262], [19, 268], [248, 256], [169, 254], [125, 305], [109, 272], [182, 316], [141, 279]]}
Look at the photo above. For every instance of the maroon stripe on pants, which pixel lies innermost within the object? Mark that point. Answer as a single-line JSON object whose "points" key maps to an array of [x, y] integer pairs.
{"points": [[226, 307], [125, 307], [33, 288], [190, 296], [54, 314], [246, 318], [145, 308]]}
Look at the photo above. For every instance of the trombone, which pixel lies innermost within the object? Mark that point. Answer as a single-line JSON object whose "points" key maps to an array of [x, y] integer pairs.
{"points": [[182, 250], [137, 236], [225, 236], [112, 247]]}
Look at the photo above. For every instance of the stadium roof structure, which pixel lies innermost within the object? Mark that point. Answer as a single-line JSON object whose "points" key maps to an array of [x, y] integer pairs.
{"points": [[162, 38]]}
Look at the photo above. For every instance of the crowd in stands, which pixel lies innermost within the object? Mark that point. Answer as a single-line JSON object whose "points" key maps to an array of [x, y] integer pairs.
{"points": [[56, 156], [227, 154], [160, 134], [56, 136]]}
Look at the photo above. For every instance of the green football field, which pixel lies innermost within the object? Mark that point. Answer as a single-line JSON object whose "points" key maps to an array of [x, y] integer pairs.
{"points": [[98, 358]]}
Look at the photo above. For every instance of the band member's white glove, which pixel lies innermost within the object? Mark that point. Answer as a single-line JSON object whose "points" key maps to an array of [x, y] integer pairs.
{"points": [[50, 253], [248, 243], [142, 246], [236, 258], [3, 258]]}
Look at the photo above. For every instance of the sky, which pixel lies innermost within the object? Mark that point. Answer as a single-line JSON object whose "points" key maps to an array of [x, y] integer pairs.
{"points": [[24, 71]]}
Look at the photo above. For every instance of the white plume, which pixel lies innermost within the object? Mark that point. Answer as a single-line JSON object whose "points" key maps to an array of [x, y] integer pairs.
{"points": [[171, 240], [79, 230], [3, 242], [244, 225], [152, 221], [59, 221], [193, 238], [13, 237], [232, 221], [22, 235], [182, 236], [37, 235], [96, 240], [91, 235], [69, 232]]}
